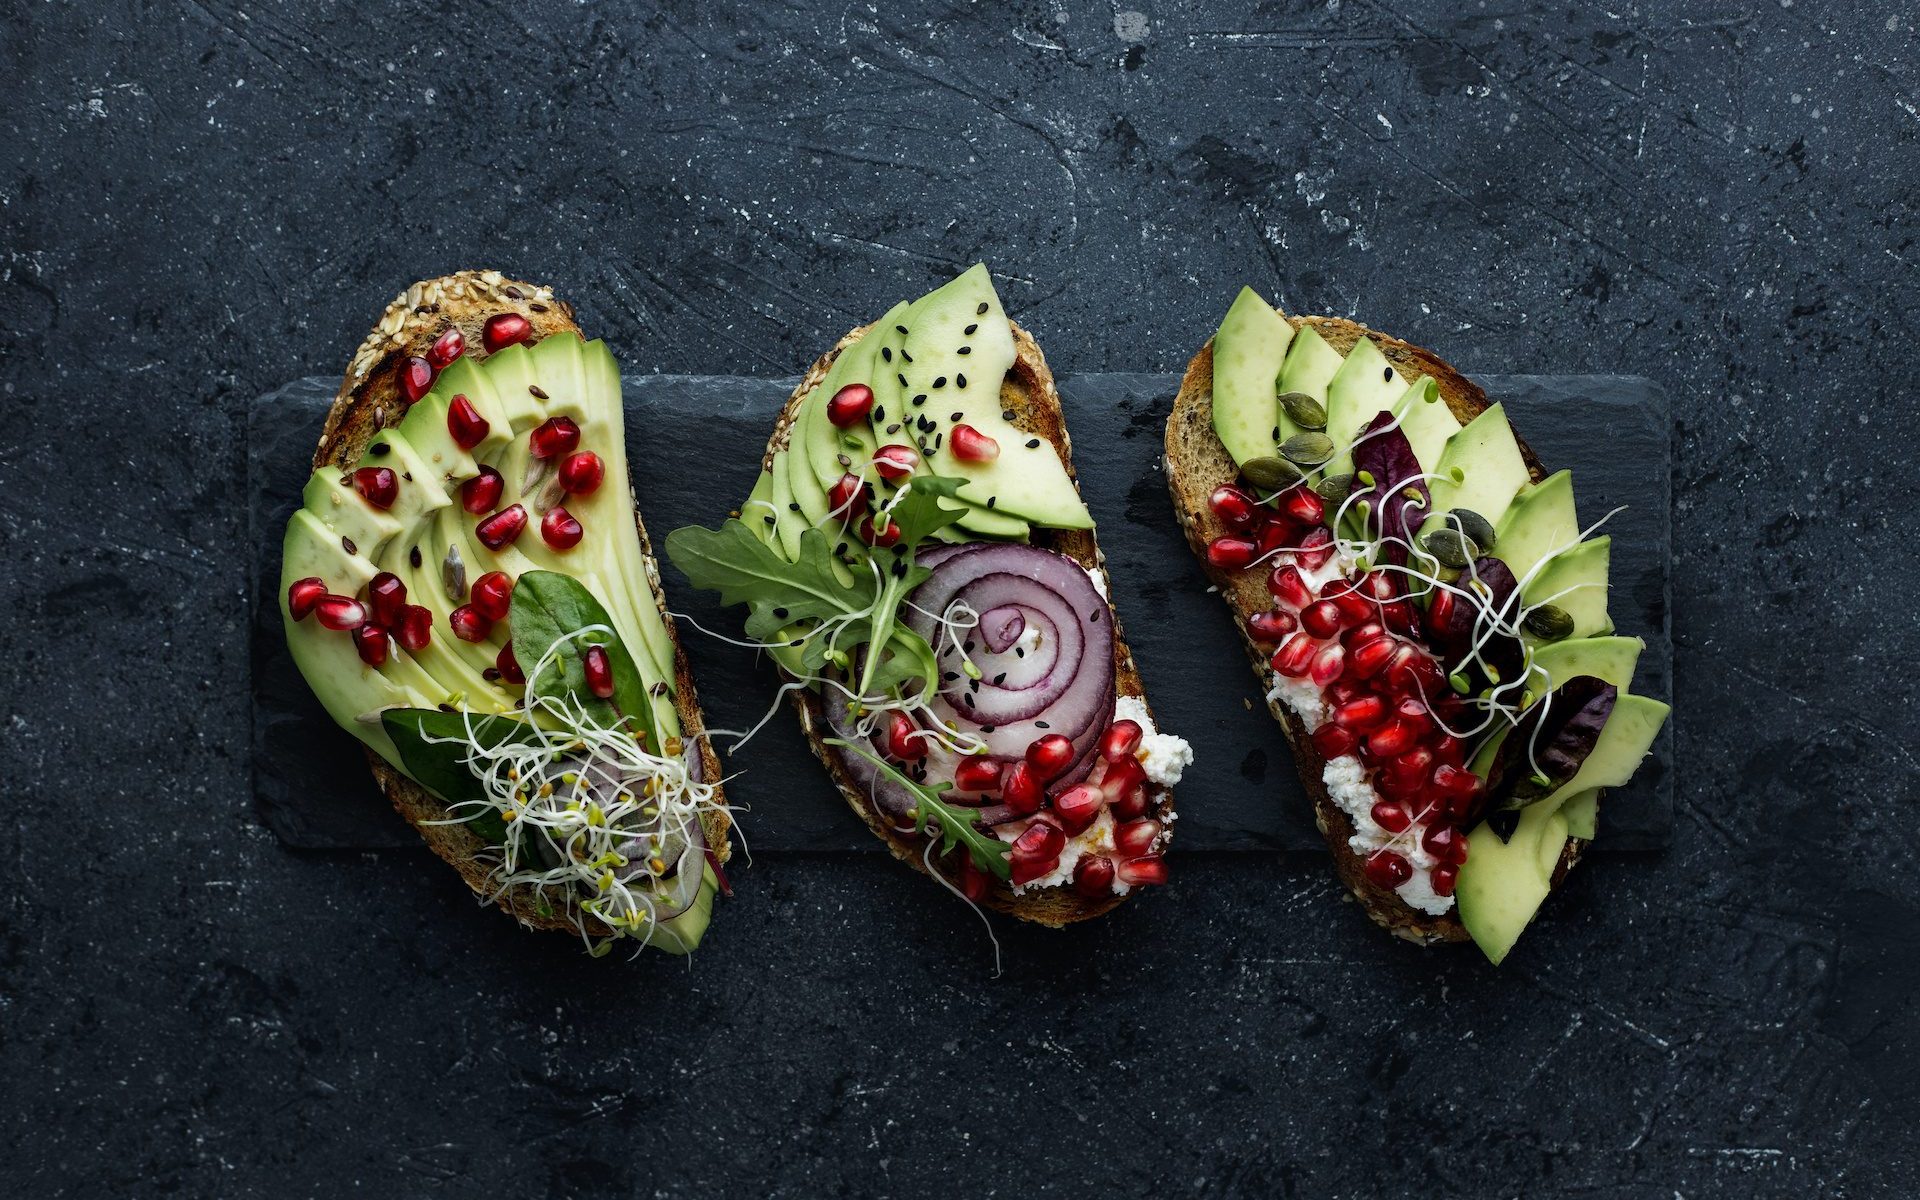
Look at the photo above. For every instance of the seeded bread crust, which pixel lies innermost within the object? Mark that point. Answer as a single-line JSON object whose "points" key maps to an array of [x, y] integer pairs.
{"points": [[1197, 463], [1029, 394], [370, 399]]}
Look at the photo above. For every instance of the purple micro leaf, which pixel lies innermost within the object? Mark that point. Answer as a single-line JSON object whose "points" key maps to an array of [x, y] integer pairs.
{"points": [[1553, 738], [1399, 498]]}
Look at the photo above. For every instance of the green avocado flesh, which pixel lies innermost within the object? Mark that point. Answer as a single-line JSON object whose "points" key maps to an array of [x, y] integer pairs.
{"points": [[342, 539], [1476, 467]]}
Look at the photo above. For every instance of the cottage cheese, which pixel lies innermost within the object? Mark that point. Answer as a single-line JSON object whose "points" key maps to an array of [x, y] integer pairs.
{"points": [[1164, 756], [1096, 838], [1099, 580]]}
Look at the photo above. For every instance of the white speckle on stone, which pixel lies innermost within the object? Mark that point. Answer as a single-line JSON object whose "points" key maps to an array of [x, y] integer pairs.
{"points": [[1130, 26]]}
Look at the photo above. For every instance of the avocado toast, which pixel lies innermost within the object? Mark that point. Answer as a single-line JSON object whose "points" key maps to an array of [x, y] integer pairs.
{"points": [[918, 561], [1426, 614], [470, 593]]}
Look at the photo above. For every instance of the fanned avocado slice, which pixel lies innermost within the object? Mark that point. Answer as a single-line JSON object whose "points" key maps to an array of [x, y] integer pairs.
{"points": [[1310, 365], [1624, 740], [1427, 422], [1503, 883], [827, 444], [789, 524], [758, 512], [1480, 469], [1540, 523], [1248, 351], [1365, 386], [504, 420], [1575, 581], [1582, 812]]}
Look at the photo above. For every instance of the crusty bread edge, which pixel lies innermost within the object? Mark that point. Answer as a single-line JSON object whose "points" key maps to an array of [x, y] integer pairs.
{"points": [[1196, 463], [369, 400], [1029, 393]]}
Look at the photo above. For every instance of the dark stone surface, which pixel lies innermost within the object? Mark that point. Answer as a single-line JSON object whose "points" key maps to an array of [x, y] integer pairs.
{"points": [[686, 434], [202, 200]]}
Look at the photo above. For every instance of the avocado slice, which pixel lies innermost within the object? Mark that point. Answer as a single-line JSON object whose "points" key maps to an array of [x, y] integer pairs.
{"points": [[802, 477], [1611, 659], [682, 934], [788, 523], [827, 443], [954, 356], [504, 420], [1480, 469], [1624, 741], [358, 526], [1582, 812], [1248, 351], [1540, 523], [1576, 581], [1502, 884], [1365, 386], [1310, 365], [992, 523], [1426, 421], [426, 430], [758, 512]]}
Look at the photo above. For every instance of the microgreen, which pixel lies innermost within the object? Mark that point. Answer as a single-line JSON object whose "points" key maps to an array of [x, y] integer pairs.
{"points": [[954, 825]]}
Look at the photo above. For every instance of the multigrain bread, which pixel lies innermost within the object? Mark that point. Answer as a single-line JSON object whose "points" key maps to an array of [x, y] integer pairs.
{"points": [[1196, 463], [1029, 394], [370, 399]]}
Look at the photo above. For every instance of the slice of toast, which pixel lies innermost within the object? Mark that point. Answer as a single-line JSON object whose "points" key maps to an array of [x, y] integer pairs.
{"points": [[370, 399], [1197, 463], [1029, 394]]}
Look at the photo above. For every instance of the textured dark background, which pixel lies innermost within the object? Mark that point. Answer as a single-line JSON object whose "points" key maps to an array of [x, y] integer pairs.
{"points": [[201, 200]]}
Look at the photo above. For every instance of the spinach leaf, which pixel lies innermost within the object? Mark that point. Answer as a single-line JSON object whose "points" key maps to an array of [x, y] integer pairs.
{"points": [[440, 766], [549, 607]]}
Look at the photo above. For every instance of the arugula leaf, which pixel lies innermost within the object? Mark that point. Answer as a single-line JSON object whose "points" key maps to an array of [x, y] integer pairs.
{"points": [[919, 512], [744, 570], [956, 824], [548, 607], [440, 766]]}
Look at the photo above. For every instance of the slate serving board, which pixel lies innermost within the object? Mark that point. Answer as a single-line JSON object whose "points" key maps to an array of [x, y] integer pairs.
{"points": [[695, 443]]}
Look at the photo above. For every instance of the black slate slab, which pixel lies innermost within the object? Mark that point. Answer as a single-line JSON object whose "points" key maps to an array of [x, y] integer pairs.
{"points": [[694, 444]]}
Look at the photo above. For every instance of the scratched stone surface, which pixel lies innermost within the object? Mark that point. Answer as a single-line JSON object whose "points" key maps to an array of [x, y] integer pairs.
{"points": [[201, 200]]}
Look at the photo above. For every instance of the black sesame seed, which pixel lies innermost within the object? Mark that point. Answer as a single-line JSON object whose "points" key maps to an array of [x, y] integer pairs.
{"points": [[901, 328], [1019, 652], [894, 428], [966, 647], [1386, 374], [1000, 679], [992, 500], [1006, 414], [768, 519], [968, 331], [986, 729], [965, 350], [886, 354], [413, 557], [902, 379], [959, 381], [939, 381], [346, 543], [968, 697], [982, 310], [957, 416], [1094, 616], [880, 413], [792, 506], [490, 674], [920, 399], [949, 676], [904, 356], [1033, 443], [780, 613], [1041, 725]]}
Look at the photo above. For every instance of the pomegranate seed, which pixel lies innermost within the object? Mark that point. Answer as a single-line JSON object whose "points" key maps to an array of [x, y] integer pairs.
{"points": [[598, 666], [469, 624], [1020, 789], [1301, 504], [1288, 586], [1121, 740], [1135, 838], [1328, 664], [1355, 609], [1078, 806], [879, 537], [1123, 783], [581, 473], [1449, 750], [1368, 660], [1414, 674], [502, 527], [1150, 869], [1039, 842], [492, 594], [508, 665], [1321, 618], [503, 330], [1400, 616], [1414, 766], [1394, 738], [1391, 816], [1295, 655], [1410, 708], [1359, 635], [303, 594], [1230, 553], [1379, 585], [560, 530], [386, 596], [370, 642], [895, 462], [416, 380], [1316, 548], [970, 445], [1443, 879], [1273, 625], [379, 485], [1361, 714], [850, 405], [1275, 533], [480, 494], [977, 773], [1024, 872], [466, 424], [847, 498], [1445, 843], [1386, 869], [1234, 507], [1344, 690], [903, 738], [1440, 613], [447, 347], [1049, 756], [1093, 875], [1334, 741], [340, 612], [1393, 787], [415, 629], [973, 881], [553, 437]]}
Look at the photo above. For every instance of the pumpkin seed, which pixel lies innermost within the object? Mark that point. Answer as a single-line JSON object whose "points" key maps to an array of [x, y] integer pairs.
{"points": [[1307, 449], [1475, 526], [1334, 489], [453, 574], [1548, 621], [1271, 474], [1303, 410], [1453, 548]]}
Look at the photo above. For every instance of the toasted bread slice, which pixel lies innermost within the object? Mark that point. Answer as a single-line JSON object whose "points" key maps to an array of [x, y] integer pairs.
{"points": [[1029, 394], [1197, 463], [370, 399]]}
